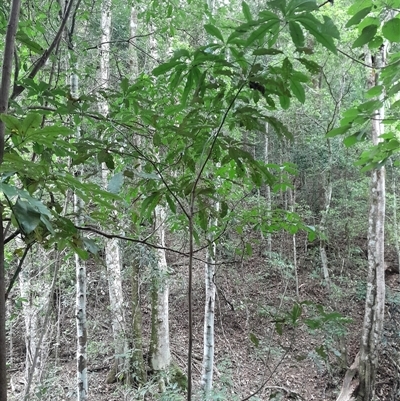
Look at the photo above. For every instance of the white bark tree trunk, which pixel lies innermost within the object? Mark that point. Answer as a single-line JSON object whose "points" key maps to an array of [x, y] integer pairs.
{"points": [[209, 315], [112, 245], [133, 27], [375, 299], [268, 188], [138, 364], [160, 354], [322, 224], [80, 266], [209, 309], [159, 347]]}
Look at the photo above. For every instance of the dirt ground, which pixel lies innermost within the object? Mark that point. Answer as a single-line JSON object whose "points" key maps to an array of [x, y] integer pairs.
{"points": [[265, 345]]}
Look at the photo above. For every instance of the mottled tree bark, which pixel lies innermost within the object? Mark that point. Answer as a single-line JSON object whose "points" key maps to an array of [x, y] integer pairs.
{"points": [[375, 300]]}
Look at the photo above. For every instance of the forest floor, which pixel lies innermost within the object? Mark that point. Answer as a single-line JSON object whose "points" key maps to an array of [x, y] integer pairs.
{"points": [[265, 345]]}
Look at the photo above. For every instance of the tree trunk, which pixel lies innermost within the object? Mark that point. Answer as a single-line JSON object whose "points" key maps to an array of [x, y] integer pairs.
{"points": [[80, 266], [137, 352], [112, 245], [375, 300], [4, 94], [209, 315], [138, 363], [160, 356], [159, 347]]}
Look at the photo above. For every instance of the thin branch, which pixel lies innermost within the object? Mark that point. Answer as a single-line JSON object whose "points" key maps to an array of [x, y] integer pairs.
{"points": [[119, 41], [11, 237], [354, 59], [18, 270], [18, 89]]}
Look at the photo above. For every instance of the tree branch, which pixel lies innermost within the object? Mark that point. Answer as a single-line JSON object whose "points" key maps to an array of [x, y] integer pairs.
{"points": [[18, 89]]}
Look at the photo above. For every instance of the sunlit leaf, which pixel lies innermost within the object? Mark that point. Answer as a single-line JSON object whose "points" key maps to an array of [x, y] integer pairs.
{"points": [[214, 31], [391, 30], [366, 36]]}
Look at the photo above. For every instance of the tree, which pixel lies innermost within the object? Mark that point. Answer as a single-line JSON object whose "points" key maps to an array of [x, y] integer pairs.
{"points": [[4, 97]]}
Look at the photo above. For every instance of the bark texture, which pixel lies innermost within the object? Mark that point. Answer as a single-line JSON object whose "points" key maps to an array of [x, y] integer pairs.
{"points": [[375, 298], [159, 349], [209, 315], [80, 267]]}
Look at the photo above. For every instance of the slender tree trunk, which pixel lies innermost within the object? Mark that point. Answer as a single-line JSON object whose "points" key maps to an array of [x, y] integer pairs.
{"points": [[138, 363], [267, 187], [137, 353], [375, 299], [322, 224], [160, 355], [209, 305], [133, 28], [4, 94], [112, 245], [159, 348], [292, 202], [209, 315], [81, 279]]}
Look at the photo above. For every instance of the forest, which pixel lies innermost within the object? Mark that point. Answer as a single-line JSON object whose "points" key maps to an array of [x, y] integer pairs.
{"points": [[198, 200]]}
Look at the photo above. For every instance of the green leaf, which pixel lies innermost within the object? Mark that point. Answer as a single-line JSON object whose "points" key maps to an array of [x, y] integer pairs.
{"points": [[115, 184], [394, 89], [171, 204], [165, 67], [90, 245], [31, 121], [84, 255], [214, 31], [246, 11], [284, 102], [29, 43], [254, 340], [359, 5], [312, 66], [375, 91], [188, 87], [149, 204], [296, 33], [350, 140], [296, 312], [321, 352], [391, 30], [249, 249], [12, 123], [367, 22], [279, 328], [329, 28], [261, 31], [264, 51], [224, 209], [357, 18], [366, 36], [338, 131], [28, 218], [8, 190], [375, 43], [301, 5], [125, 84], [298, 90], [311, 27], [105, 157]]}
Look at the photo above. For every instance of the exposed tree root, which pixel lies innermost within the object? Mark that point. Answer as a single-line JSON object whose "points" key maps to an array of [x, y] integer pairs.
{"points": [[350, 382]]}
